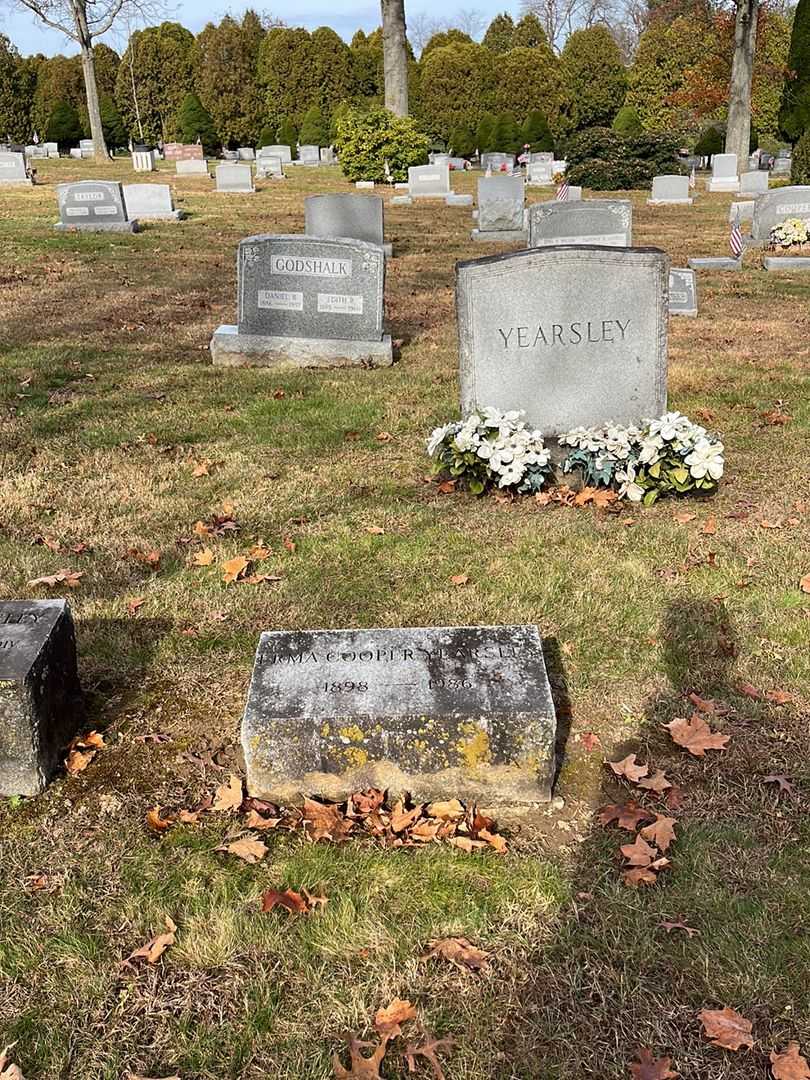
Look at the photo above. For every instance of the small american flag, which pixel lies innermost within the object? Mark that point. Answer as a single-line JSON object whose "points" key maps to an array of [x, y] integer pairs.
{"points": [[562, 191], [736, 240]]}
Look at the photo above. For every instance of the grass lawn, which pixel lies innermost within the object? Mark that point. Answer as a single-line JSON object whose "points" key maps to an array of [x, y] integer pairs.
{"points": [[108, 408]]}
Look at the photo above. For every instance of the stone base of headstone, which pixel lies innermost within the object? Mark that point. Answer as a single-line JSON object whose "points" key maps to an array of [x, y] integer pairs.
{"points": [[28, 181], [401, 186], [688, 313], [443, 712], [711, 263], [364, 184], [670, 202], [786, 262], [229, 348], [40, 696], [500, 236], [169, 215], [401, 200], [723, 185], [101, 226], [459, 200]]}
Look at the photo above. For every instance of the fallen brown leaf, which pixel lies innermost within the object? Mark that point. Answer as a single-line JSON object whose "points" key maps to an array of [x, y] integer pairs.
{"points": [[639, 853], [156, 823], [427, 1050], [789, 1065], [361, 1068], [626, 815], [726, 1028], [678, 924], [71, 578], [657, 782], [460, 952], [661, 832], [628, 768], [135, 605], [203, 558], [8, 1070], [387, 1020], [234, 569], [783, 782], [228, 796], [249, 849], [459, 579], [650, 1068], [695, 735], [156, 946]]}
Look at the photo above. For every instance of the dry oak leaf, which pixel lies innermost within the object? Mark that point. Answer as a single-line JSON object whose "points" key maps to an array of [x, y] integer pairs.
{"points": [[203, 558], [639, 853], [710, 526], [402, 819], [156, 823], [628, 768], [650, 1068], [726, 1028], [627, 815], [451, 810], [495, 840], [804, 584], [254, 820], [678, 924], [387, 1019], [657, 782], [640, 875], [789, 1065], [71, 578], [135, 605], [295, 903], [695, 735], [200, 468], [234, 569], [156, 947], [459, 579], [9, 1071], [778, 697], [428, 1051], [783, 782], [228, 796], [460, 952], [375, 530], [684, 517], [248, 848], [325, 821], [466, 844], [590, 740], [661, 832], [361, 1068]]}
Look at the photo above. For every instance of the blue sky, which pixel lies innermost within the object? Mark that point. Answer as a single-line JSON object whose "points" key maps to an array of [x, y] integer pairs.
{"points": [[31, 37]]}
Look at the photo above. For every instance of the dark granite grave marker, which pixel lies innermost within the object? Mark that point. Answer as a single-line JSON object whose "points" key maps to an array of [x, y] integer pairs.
{"points": [[40, 697], [442, 711]]}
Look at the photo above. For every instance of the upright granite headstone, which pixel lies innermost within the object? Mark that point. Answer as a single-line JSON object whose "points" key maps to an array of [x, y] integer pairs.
{"points": [[93, 206], [575, 336], [776, 206], [143, 161], [269, 166], [183, 152], [51, 149], [192, 167], [498, 162], [500, 210], [724, 173], [150, 201], [234, 179], [428, 181], [606, 222], [755, 182], [683, 292], [40, 696], [309, 155], [307, 301], [87, 148], [782, 166], [246, 153], [278, 150], [540, 173], [327, 155], [669, 190], [359, 217], [13, 170], [440, 712]]}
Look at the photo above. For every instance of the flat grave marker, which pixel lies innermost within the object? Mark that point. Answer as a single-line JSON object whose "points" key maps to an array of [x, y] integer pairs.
{"points": [[604, 222]]}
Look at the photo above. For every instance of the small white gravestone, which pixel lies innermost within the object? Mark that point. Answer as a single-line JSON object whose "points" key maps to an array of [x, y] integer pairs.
{"points": [[13, 170], [755, 182], [51, 149], [540, 173], [573, 336], [279, 150], [269, 165], [151, 201], [724, 173], [192, 167], [428, 181], [500, 210], [309, 155], [327, 155], [670, 190], [246, 153], [143, 161], [234, 179]]}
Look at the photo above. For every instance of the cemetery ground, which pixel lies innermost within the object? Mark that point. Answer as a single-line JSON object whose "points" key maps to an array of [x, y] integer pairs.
{"points": [[117, 438]]}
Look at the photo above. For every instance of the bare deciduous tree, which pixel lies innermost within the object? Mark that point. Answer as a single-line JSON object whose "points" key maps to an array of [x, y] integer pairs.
{"points": [[395, 56], [83, 21], [422, 26], [561, 17]]}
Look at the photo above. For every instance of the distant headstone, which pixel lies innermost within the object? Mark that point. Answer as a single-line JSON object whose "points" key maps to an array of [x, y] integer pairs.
{"points": [[309, 155], [40, 697], [87, 148], [575, 336], [35, 151], [669, 190], [682, 292], [93, 206], [776, 206], [559, 165], [307, 301], [574, 193], [234, 179], [442, 712], [183, 152], [540, 173], [498, 162], [278, 150], [269, 165], [754, 183], [741, 211], [500, 209], [782, 166], [191, 167], [51, 149], [428, 181], [75, 152], [606, 222], [724, 173], [787, 262], [359, 217], [13, 170], [366, 185], [143, 161], [246, 153], [327, 155], [150, 201]]}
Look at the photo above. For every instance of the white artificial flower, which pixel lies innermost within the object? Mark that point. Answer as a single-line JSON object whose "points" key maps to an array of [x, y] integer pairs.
{"points": [[437, 437], [629, 488], [650, 449], [669, 426], [707, 457]]}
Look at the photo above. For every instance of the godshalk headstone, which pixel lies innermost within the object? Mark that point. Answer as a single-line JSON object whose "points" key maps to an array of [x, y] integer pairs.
{"points": [[13, 170], [359, 217], [776, 206], [606, 222], [682, 292], [755, 182], [150, 201], [93, 206], [724, 173], [183, 152], [234, 179], [40, 697], [461, 711], [670, 189], [575, 336], [500, 210], [307, 301], [191, 167]]}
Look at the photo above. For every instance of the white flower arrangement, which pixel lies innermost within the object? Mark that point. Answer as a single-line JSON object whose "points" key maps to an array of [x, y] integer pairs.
{"points": [[670, 455], [792, 232]]}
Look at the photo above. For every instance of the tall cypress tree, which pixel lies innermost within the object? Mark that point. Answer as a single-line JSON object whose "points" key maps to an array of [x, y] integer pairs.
{"points": [[794, 116]]}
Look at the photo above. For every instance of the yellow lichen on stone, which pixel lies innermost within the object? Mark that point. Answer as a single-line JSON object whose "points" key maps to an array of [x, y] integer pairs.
{"points": [[353, 733], [475, 750], [355, 757], [325, 729]]}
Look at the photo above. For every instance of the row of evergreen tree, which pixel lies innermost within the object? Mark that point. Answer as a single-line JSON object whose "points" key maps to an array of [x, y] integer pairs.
{"points": [[240, 82]]}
